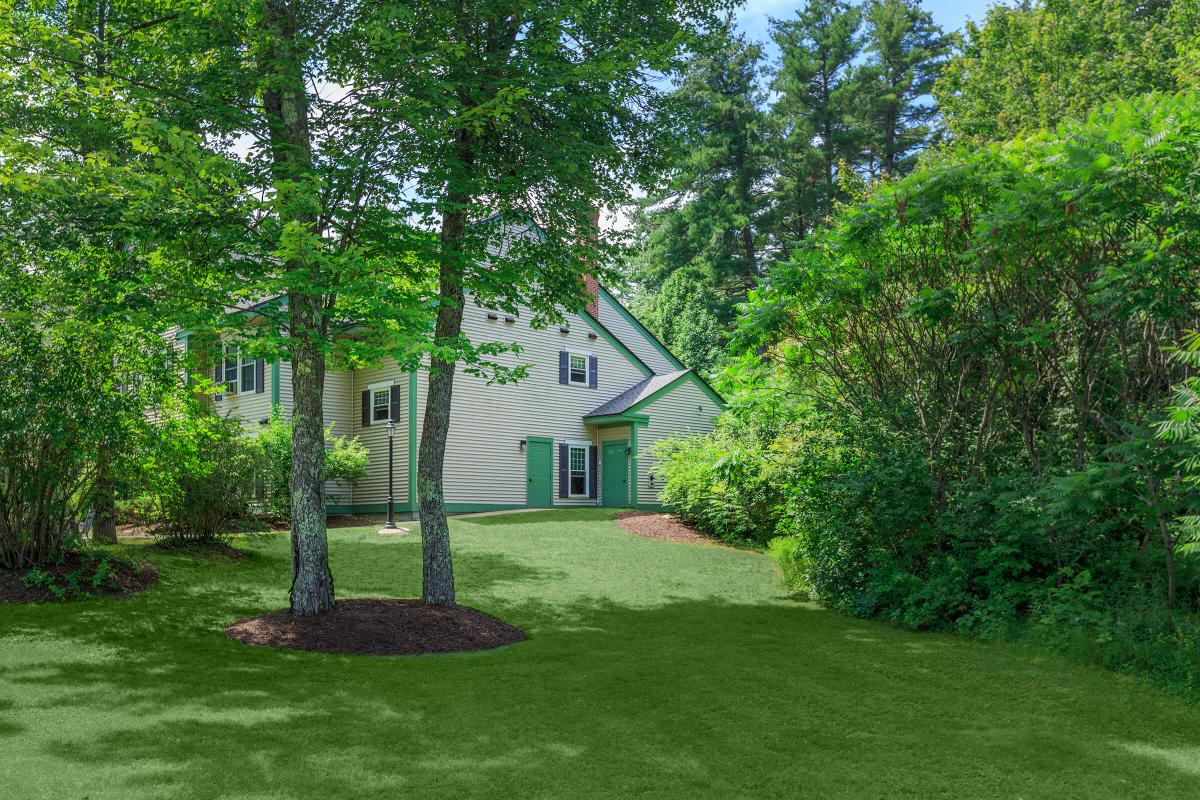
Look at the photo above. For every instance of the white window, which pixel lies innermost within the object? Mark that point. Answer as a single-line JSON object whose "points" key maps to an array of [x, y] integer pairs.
{"points": [[577, 471], [238, 373], [381, 405], [577, 371]]}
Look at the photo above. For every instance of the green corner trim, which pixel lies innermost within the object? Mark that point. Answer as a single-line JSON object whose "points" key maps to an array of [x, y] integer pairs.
{"points": [[638, 326], [615, 342], [411, 502], [275, 383]]}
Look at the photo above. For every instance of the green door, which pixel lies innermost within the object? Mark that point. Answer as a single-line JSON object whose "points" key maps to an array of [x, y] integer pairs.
{"points": [[539, 466], [615, 469]]}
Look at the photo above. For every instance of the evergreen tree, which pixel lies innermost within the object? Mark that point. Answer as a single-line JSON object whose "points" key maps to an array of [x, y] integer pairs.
{"points": [[818, 89], [708, 218], [905, 51]]}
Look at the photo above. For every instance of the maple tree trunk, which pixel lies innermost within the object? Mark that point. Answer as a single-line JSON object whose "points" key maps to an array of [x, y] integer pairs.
{"points": [[286, 102], [438, 571]]}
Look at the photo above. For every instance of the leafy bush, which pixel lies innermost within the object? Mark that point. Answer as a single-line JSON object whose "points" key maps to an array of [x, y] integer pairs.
{"points": [[84, 572], [200, 475], [345, 462], [67, 391]]}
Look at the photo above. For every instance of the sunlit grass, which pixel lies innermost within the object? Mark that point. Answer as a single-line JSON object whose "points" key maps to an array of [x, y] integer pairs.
{"points": [[652, 669]]}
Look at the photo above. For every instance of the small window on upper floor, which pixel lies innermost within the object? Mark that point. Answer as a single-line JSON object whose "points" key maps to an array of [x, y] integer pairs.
{"points": [[381, 405], [578, 372]]}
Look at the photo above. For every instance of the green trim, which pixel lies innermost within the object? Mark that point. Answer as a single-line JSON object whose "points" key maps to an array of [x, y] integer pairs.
{"points": [[650, 337], [611, 420], [599, 328], [182, 334], [411, 502], [275, 383]]}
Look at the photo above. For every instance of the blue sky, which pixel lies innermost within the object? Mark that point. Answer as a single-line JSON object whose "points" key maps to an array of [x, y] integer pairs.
{"points": [[950, 14]]}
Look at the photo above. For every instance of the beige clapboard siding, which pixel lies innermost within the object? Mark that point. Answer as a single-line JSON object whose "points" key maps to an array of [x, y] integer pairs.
{"points": [[634, 338], [484, 463], [685, 409], [373, 488]]}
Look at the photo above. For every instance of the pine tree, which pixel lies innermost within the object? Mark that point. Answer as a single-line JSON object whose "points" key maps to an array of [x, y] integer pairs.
{"points": [[818, 86], [708, 218], [905, 52]]}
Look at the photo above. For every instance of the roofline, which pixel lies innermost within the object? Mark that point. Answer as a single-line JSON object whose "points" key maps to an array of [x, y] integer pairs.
{"points": [[665, 388], [625, 312], [614, 339]]}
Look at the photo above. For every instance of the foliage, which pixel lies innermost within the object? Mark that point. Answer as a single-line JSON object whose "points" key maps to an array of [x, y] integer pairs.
{"points": [[960, 384], [66, 390], [1030, 66], [345, 462], [699, 236], [84, 572], [200, 474], [1182, 425]]}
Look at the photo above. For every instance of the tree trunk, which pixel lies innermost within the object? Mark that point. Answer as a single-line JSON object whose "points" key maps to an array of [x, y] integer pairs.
{"points": [[312, 583], [104, 503], [286, 104], [438, 570]]}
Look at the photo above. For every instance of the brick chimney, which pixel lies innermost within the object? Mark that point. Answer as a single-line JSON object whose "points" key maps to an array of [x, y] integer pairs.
{"points": [[593, 295], [589, 281]]}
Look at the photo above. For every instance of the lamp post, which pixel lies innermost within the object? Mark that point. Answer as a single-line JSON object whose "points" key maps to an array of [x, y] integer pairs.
{"points": [[391, 519]]}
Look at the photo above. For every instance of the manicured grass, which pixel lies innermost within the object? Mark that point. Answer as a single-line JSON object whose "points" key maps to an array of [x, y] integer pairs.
{"points": [[651, 670]]}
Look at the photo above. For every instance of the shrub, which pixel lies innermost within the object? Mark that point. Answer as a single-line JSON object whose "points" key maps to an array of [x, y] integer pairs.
{"points": [[201, 478], [345, 462], [66, 391]]}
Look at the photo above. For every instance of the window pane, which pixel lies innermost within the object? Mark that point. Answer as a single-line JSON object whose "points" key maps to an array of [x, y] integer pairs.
{"points": [[248, 376], [578, 369], [380, 405], [578, 459], [578, 484]]}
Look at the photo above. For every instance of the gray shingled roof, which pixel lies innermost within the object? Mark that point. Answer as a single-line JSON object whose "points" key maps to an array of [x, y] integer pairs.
{"points": [[634, 394]]}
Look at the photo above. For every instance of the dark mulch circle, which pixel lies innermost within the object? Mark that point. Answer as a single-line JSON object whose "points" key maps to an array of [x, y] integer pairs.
{"points": [[665, 527], [379, 627], [126, 580]]}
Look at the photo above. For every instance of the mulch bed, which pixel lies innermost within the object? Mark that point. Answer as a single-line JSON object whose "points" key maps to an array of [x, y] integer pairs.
{"points": [[127, 580], [379, 627], [662, 526]]}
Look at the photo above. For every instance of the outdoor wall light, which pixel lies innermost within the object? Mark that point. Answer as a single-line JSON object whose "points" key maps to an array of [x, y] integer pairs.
{"points": [[650, 478], [510, 320], [593, 336], [628, 451], [521, 445], [564, 330], [493, 317]]}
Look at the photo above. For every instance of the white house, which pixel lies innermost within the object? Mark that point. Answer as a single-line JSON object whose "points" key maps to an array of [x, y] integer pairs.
{"points": [[578, 431]]}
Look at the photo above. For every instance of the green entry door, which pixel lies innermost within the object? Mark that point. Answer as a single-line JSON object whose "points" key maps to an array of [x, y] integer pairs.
{"points": [[615, 469], [539, 468]]}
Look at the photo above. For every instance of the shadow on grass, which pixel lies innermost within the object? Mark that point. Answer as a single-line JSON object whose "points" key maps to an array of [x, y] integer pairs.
{"points": [[556, 516], [688, 697]]}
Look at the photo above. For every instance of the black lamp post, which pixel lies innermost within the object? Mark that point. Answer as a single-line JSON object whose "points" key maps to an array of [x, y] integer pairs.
{"points": [[391, 520]]}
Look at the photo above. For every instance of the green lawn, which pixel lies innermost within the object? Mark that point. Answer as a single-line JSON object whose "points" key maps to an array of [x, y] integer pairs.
{"points": [[651, 670]]}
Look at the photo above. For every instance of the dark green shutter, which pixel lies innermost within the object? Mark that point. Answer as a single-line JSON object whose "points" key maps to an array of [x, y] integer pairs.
{"points": [[260, 376], [592, 472], [366, 408], [395, 403]]}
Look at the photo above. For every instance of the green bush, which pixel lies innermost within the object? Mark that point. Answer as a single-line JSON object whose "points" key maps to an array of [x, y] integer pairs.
{"points": [[200, 475], [345, 462], [67, 392]]}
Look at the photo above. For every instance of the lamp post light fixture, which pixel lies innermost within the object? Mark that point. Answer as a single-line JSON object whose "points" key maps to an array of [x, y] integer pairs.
{"points": [[391, 513]]}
